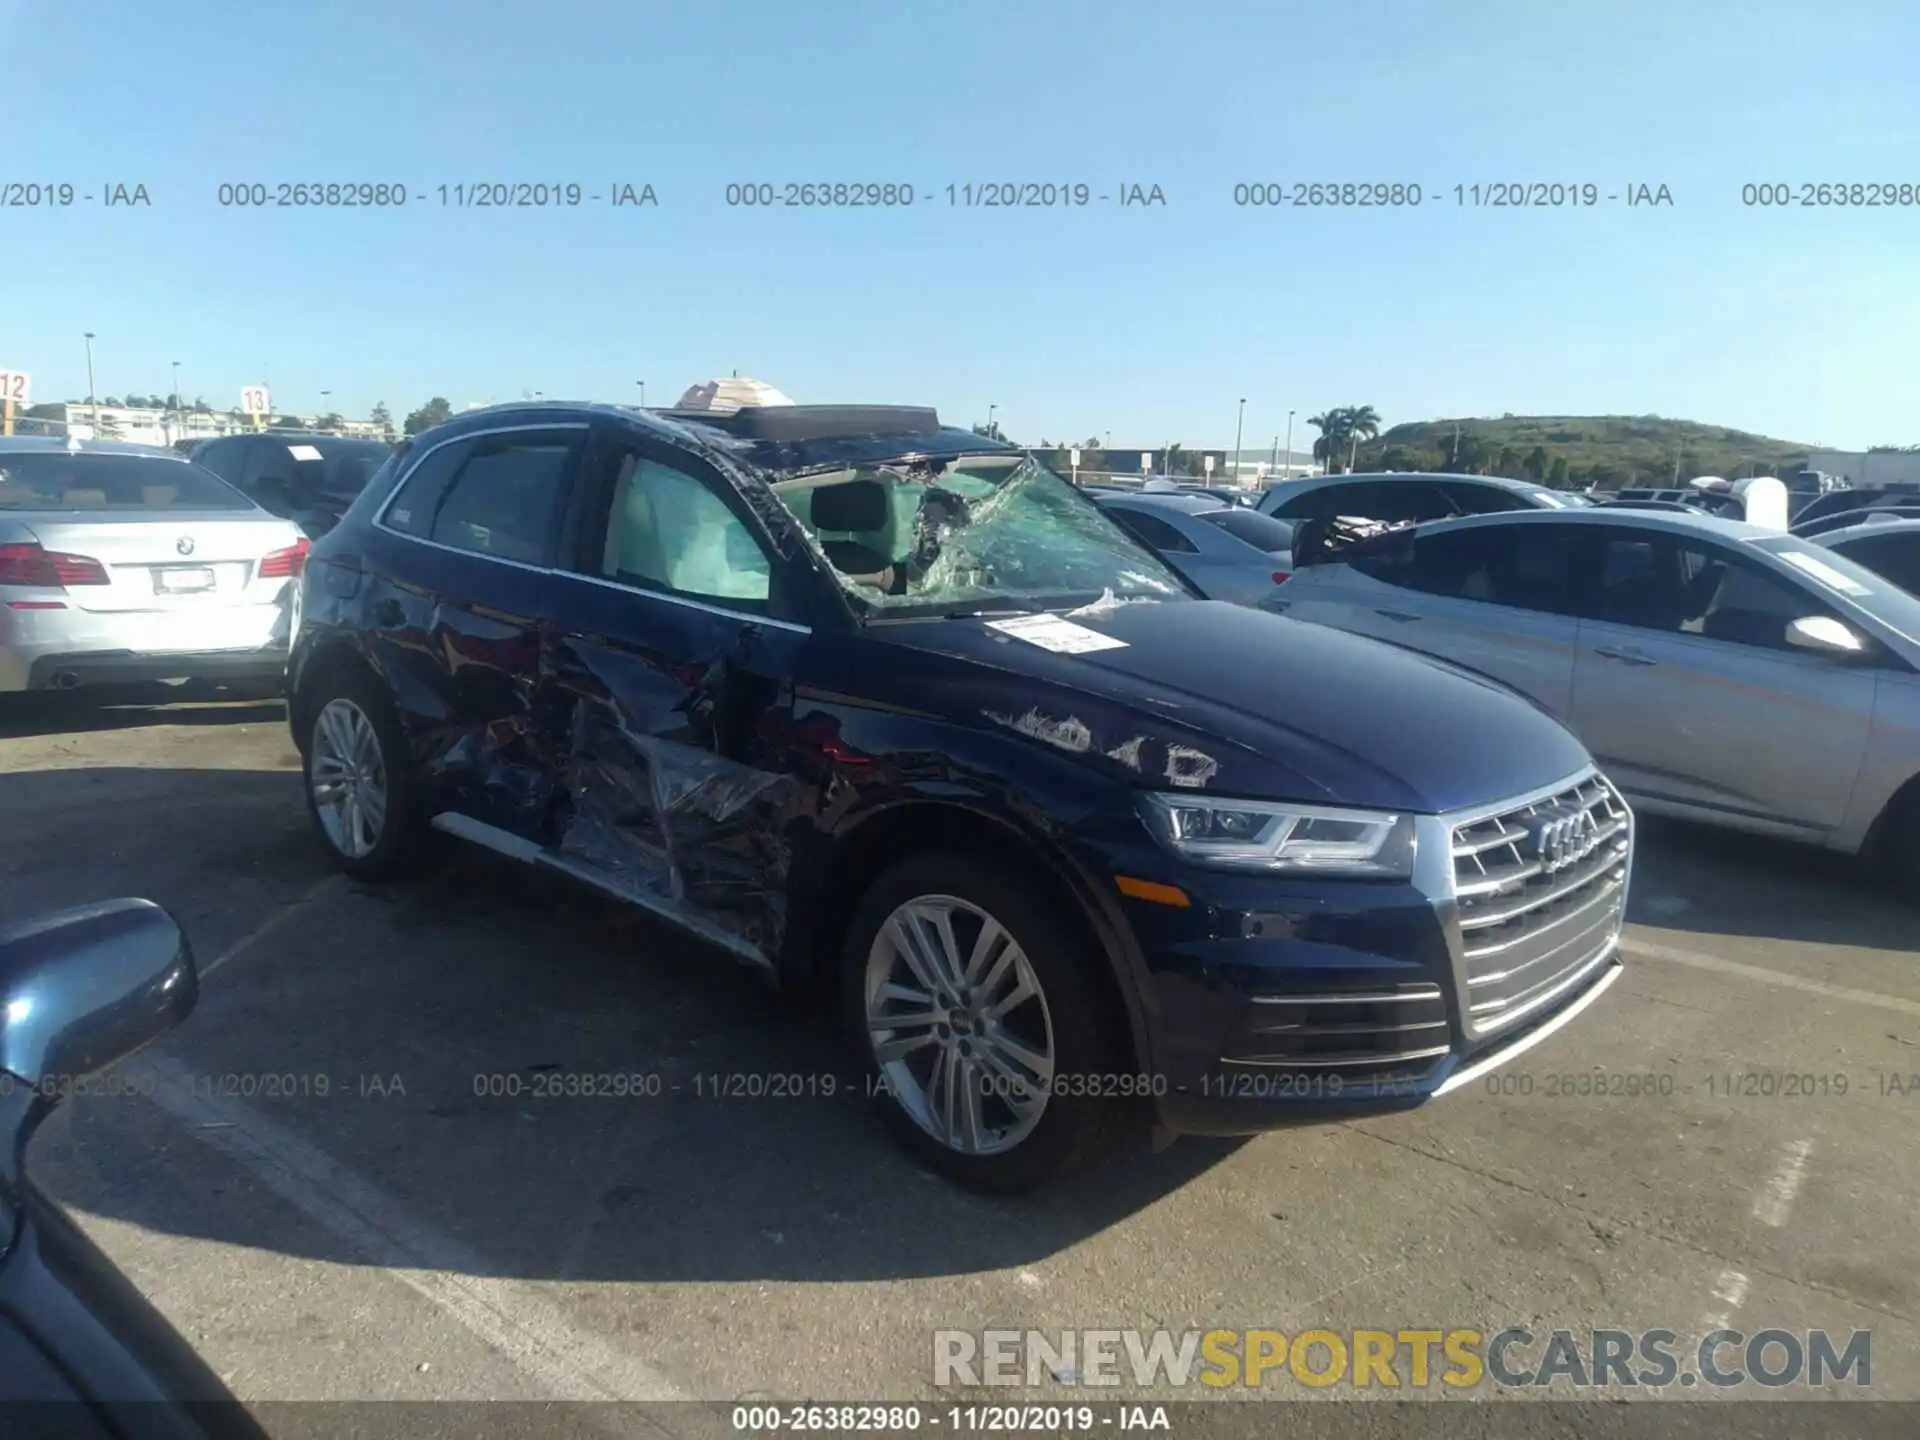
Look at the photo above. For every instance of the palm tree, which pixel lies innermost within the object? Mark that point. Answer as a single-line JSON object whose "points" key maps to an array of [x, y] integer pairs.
{"points": [[1362, 423], [1332, 427]]}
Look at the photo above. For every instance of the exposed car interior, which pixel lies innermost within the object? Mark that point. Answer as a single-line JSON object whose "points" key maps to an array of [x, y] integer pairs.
{"points": [[1657, 586]]}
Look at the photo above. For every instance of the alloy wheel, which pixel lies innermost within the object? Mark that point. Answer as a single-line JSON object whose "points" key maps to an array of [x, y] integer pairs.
{"points": [[348, 776], [959, 1025]]}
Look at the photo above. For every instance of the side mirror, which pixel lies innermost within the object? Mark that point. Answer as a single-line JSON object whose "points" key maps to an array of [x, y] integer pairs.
{"points": [[82, 988], [1826, 635]]}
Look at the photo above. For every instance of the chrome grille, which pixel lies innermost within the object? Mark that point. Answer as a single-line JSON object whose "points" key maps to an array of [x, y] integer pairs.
{"points": [[1531, 922], [1381, 1032]]}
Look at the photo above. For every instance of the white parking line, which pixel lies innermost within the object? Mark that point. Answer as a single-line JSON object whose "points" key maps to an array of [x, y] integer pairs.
{"points": [[273, 922], [1774, 1203], [1731, 1289], [571, 1363], [1779, 979]]}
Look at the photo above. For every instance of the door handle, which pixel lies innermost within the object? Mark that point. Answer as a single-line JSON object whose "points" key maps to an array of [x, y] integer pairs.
{"points": [[1626, 657], [1401, 615]]}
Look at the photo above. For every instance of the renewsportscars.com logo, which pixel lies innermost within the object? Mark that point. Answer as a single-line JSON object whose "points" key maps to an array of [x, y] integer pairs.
{"points": [[1457, 1358]]}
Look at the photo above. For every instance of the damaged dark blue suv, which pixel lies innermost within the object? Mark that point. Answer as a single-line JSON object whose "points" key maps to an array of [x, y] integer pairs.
{"points": [[893, 713]]}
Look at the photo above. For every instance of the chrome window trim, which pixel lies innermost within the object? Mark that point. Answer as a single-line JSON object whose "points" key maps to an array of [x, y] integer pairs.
{"points": [[749, 616], [400, 483]]}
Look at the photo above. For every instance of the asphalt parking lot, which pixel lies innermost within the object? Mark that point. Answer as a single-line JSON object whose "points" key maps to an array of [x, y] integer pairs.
{"points": [[431, 1227]]}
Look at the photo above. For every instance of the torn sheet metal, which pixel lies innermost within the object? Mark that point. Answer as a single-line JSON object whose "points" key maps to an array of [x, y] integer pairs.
{"points": [[1108, 603], [1183, 766], [683, 826], [1067, 734], [1188, 768]]}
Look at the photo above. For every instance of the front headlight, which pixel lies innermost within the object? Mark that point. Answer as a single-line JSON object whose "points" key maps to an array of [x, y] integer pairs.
{"points": [[1288, 839]]}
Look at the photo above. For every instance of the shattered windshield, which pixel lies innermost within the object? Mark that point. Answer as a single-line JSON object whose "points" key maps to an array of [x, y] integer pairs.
{"points": [[977, 533]]}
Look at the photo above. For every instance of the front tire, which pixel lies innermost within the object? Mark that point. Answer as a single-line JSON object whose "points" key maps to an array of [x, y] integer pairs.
{"points": [[978, 1023], [1900, 848], [362, 794]]}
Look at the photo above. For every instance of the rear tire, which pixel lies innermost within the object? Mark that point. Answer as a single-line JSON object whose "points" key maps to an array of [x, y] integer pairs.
{"points": [[1900, 847], [362, 793], [997, 1002]]}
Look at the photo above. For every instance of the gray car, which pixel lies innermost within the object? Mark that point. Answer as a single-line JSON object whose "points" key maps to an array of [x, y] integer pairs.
{"points": [[1396, 495], [1227, 552], [1719, 671], [1889, 547], [119, 562]]}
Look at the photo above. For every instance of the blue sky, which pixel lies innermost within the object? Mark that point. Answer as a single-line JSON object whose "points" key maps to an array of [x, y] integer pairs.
{"points": [[1801, 323]]}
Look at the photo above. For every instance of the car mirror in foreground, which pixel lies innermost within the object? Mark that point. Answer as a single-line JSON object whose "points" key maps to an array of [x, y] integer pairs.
{"points": [[1826, 635], [82, 988]]}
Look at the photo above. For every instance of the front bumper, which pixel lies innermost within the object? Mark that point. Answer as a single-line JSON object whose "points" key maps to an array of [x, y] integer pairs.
{"points": [[1274, 1001]]}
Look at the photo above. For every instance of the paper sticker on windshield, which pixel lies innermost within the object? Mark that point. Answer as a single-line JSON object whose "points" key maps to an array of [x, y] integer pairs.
{"points": [[1050, 632], [1824, 573], [303, 452]]}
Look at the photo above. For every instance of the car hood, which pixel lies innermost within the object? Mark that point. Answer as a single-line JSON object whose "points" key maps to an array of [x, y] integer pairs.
{"points": [[1204, 695]]}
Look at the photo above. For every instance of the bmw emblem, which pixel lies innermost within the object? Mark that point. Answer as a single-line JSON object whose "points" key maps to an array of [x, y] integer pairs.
{"points": [[184, 544]]}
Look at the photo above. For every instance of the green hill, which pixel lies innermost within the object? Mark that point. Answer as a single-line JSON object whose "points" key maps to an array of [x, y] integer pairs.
{"points": [[1606, 450]]}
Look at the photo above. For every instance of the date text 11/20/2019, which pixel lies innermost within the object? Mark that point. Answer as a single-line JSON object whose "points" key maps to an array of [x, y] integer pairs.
{"points": [[971, 195], [458, 195], [1480, 195]]}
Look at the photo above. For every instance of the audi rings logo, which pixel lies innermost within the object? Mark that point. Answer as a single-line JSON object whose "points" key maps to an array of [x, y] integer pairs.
{"points": [[184, 544], [1564, 837]]}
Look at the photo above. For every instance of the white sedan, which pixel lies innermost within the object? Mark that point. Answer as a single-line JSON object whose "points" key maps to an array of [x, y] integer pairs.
{"points": [[120, 563]]}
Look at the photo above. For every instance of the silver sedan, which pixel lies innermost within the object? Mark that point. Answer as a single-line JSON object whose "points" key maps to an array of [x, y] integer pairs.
{"points": [[1227, 551], [119, 562], [1719, 671]]}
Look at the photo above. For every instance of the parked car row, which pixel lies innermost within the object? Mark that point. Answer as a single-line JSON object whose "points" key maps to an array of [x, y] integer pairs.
{"points": [[1718, 671], [896, 717]]}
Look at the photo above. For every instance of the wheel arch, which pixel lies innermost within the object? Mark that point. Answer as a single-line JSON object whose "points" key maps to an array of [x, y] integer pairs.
{"points": [[323, 660], [909, 827], [1904, 800]]}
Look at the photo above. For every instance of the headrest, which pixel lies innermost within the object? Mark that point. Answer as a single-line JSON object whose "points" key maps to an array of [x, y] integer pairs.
{"points": [[852, 505]]}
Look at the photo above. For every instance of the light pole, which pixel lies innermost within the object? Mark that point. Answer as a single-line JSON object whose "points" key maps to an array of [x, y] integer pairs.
{"points": [[92, 404], [1273, 461], [325, 408], [990, 430], [179, 405], [643, 393], [1289, 444], [1238, 426]]}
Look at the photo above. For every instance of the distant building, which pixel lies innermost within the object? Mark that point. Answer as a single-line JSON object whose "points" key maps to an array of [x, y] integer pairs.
{"points": [[1867, 467], [134, 424], [733, 393], [146, 425]]}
